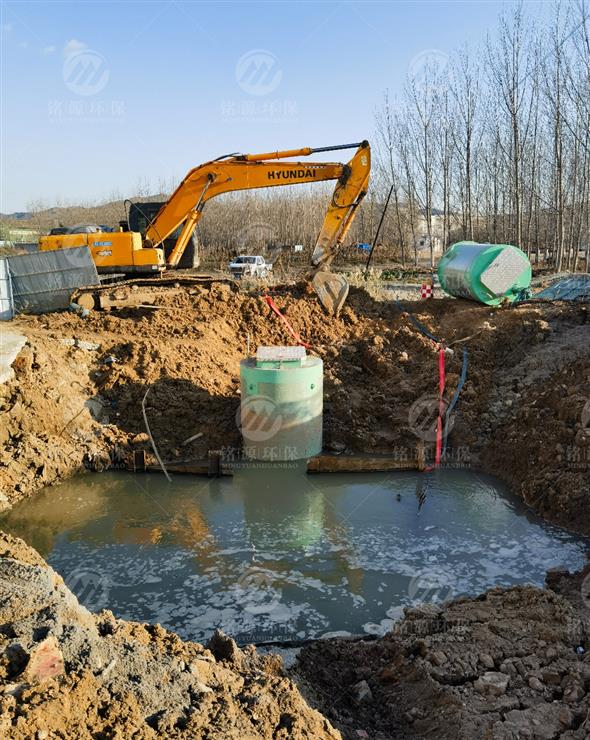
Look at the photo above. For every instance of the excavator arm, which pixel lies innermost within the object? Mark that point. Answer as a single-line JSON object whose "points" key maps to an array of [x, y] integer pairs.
{"points": [[251, 171]]}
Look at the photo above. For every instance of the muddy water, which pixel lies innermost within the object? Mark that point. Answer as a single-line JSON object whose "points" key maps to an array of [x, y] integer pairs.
{"points": [[274, 554]]}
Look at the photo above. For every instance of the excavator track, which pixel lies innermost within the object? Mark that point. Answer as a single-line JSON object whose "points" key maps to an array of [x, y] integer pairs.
{"points": [[127, 293]]}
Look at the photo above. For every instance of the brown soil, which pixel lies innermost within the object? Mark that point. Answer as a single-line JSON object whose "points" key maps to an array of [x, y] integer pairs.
{"points": [[503, 665], [509, 664], [542, 447], [48, 430], [113, 679]]}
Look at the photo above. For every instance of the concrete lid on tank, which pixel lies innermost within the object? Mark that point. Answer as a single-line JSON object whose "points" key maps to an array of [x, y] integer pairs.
{"points": [[273, 355], [280, 370], [507, 267]]}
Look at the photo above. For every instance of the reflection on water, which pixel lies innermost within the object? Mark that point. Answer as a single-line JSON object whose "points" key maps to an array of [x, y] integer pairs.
{"points": [[276, 554]]}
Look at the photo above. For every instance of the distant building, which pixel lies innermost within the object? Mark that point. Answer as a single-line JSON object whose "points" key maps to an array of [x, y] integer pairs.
{"points": [[422, 244], [422, 241], [22, 235]]}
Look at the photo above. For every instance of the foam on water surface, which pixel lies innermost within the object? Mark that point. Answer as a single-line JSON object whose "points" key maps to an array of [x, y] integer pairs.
{"points": [[277, 555]]}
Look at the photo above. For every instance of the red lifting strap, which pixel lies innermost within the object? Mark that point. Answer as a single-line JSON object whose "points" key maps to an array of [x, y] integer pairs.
{"points": [[441, 410], [292, 331], [441, 406]]}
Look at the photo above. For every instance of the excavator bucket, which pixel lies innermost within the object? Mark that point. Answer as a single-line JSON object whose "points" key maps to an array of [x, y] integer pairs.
{"points": [[331, 289]]}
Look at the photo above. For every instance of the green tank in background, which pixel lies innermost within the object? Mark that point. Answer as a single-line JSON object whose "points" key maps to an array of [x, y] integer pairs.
{"points": [[488, 273]]}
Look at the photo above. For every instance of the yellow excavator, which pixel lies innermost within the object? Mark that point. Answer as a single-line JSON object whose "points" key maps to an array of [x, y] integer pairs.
{"points": [[131, 252]]}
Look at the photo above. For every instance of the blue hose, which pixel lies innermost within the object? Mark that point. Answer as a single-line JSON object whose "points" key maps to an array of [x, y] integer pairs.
{"points": [[417, 323], [455, 398]]}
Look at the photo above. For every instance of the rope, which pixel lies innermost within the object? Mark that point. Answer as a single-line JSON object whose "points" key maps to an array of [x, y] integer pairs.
{"points": [[285, 321], [441, 389], [147, 427]]}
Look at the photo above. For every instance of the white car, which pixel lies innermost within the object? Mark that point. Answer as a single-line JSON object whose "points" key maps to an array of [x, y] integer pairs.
{"points": [[252, 266]]}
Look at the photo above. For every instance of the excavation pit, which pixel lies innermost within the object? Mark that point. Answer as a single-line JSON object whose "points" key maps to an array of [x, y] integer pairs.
{"points": [[275, 555]]}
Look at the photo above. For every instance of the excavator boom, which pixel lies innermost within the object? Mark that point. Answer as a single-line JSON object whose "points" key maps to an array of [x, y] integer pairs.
{"points": [[251, 171], [208, 181]]}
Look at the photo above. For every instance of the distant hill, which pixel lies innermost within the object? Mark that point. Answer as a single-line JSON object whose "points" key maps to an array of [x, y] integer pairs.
{"points": [[236, 223], [16, 216], [43, 220]]}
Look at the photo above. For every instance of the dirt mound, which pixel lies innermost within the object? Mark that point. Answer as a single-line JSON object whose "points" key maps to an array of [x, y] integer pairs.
{"points": [[67, 673], [510, 664], [543, 448], [49, 429]]}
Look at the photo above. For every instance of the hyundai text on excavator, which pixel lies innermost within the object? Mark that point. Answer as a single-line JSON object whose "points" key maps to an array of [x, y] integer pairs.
{"points": [[132, 252]]}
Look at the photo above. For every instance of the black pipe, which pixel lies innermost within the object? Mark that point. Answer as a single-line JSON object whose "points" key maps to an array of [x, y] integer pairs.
{"points": [[378, 228], [340, 146]]}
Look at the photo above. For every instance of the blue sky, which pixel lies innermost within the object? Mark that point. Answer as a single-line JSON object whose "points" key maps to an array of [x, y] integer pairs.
{"points": [[97, 97]]}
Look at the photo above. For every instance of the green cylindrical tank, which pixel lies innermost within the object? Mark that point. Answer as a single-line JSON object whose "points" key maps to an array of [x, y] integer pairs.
{"points": [[487, 273], [281, 404]]}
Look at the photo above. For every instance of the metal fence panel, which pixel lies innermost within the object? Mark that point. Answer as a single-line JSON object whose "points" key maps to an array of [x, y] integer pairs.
{"points": [[44, 281], [6, 303]]}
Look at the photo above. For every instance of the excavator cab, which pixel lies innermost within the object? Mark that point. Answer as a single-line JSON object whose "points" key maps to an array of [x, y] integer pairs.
{"points": [[140, 217]]}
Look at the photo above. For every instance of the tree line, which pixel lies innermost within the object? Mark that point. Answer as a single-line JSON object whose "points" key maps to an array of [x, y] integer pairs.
{"points": [[491, 144]]}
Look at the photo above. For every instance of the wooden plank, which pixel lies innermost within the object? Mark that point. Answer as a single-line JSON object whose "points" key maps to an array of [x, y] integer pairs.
{"points": [[421, 453], [214, 463], [139, 465], [213, 466], [194, 467], [359, 464]]}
